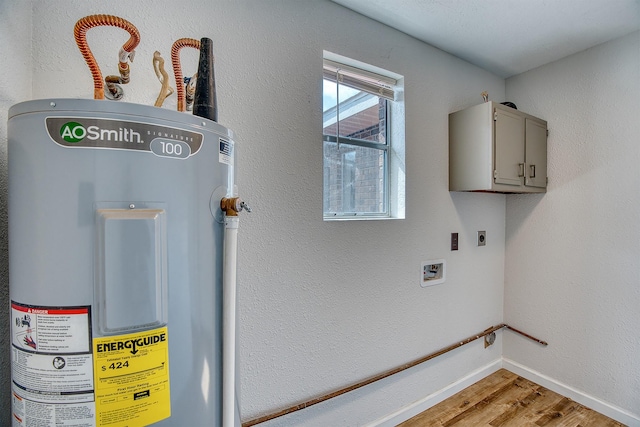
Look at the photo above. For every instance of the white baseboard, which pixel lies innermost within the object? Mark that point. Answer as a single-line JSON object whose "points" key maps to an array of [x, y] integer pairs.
{"points": [[409, 411], [594, 403], [425, 403]]}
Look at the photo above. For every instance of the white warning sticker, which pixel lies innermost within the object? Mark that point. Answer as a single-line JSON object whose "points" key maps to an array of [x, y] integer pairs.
{"points": [[52, 366], [50, 330]]}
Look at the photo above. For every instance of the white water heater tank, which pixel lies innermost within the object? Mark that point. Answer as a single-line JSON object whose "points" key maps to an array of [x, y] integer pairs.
{"points": [[116, 244]]}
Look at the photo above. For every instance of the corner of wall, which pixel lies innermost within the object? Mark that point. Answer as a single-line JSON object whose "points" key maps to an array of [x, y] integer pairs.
{"points": [[16, 64]]}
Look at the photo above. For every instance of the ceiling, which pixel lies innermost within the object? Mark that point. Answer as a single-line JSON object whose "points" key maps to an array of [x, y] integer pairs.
{"points": [[506, 37]]}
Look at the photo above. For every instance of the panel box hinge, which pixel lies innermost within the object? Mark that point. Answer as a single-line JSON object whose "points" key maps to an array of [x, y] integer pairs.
{"points": [[547, 133], [495, 116], [495, 174]]}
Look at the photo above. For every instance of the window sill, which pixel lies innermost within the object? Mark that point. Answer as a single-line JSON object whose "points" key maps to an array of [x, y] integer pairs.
{"points": [[358, 218]]}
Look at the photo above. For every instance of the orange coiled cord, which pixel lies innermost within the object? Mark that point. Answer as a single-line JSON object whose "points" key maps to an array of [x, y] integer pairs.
{"points": [[177, 71], [126, 53]]}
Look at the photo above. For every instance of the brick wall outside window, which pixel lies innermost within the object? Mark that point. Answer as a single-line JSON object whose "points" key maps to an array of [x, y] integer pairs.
{"points": [[366, 192]]}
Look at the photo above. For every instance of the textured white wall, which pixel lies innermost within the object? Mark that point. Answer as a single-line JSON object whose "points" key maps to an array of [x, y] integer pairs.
{"points": [[15, 86], [572, 271], [321, 305]]}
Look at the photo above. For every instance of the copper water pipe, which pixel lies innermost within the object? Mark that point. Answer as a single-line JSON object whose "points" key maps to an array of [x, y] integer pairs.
{"points": [[526, 335], [177, 70], [126, 52], [386, 374]]}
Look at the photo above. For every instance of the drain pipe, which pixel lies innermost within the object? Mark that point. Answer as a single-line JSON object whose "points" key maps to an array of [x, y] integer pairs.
{"points": [[231, 207]]}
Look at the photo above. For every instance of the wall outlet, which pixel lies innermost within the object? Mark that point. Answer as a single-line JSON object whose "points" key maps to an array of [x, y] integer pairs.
{"points": [[454, 241], [432, 272], [482, 238]]}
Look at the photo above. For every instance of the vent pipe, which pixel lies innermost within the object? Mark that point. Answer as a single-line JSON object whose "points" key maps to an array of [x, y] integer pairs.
{"points": [[205, 103]]}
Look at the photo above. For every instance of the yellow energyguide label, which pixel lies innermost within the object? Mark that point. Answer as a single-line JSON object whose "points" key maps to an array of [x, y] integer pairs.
{"points": [[132, 379]]}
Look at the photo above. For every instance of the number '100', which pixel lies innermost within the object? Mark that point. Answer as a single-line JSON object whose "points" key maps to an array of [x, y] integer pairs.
{"points": [[170, 148]]}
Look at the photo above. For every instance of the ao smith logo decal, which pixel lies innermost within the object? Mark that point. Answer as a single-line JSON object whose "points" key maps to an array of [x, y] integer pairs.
{"points": [[84, 132], [132, 345], [74, 132]]}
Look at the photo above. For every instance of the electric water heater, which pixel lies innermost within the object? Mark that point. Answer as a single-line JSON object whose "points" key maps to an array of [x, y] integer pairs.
{"points": [[116, 240]]}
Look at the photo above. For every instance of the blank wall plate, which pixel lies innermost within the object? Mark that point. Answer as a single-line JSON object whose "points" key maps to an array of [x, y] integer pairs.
{"points": [[432, 272]]}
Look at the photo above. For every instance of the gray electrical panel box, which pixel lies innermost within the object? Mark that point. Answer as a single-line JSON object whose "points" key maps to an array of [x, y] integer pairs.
{"points": [[496, 148]]}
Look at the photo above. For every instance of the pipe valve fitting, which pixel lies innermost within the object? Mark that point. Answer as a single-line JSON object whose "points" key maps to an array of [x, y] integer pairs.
{"points": [[125, 56], [233, 205]]}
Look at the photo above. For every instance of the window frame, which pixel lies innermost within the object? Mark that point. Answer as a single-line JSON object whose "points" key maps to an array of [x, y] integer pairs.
{"points": [[381, 84]]}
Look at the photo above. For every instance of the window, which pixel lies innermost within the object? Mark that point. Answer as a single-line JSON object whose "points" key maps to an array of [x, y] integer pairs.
{"points": [[363, 141]]}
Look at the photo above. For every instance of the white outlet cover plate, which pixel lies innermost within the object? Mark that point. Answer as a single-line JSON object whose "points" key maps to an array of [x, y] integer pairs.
{"points": [[440, 277]]}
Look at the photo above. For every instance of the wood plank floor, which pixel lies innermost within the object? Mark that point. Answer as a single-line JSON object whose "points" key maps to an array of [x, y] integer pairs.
{"points": [[506, 399]]}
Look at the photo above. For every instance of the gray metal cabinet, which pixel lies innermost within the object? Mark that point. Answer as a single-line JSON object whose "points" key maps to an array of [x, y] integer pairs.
{"points": [[496, 148]]}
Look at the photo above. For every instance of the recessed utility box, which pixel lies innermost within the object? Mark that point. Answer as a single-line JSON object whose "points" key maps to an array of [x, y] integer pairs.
{"points": [[432, 272]]}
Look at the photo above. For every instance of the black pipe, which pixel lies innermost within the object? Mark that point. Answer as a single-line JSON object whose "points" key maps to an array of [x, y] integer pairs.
{"points": [[205, 103]]}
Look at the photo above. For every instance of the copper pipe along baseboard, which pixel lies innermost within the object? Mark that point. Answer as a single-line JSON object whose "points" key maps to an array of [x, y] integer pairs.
{"points": [[385, 374], [526, 335]]}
